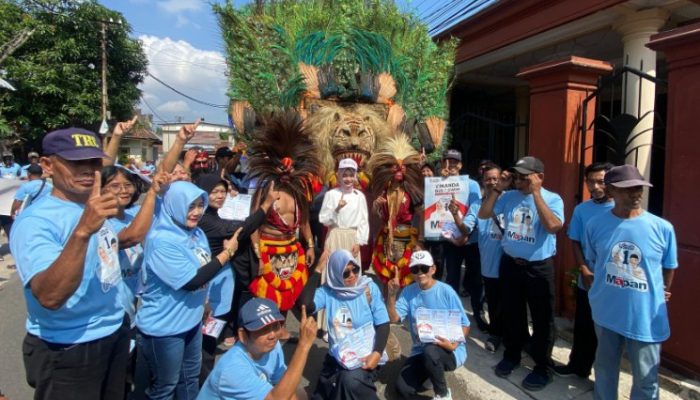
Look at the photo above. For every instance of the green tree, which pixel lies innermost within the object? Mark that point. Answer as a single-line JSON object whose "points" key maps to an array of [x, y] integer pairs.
{"points": [[57, 70]]}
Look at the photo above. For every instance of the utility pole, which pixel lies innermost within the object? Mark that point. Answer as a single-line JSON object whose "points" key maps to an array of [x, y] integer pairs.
{"points": [[104, 70], [105, 114]]}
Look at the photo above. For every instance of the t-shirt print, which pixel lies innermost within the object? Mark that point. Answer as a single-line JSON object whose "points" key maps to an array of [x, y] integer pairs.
{"points": [[624, 269], [109, 272], [520, 228], [342, 323]]}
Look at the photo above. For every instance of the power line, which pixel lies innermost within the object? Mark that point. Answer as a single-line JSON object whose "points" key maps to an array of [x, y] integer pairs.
{"points": [[153, 111], [469, 9], [206, 103]]}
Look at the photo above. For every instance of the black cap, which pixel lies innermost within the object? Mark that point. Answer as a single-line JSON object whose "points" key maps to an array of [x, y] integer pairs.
{"points": [[73, 144], [529, 165], [625, 176], [223, 152], [452, 154], [208, 182], [35, 169]]}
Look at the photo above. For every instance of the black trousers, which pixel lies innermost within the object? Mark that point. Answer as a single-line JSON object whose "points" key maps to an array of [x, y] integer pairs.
{"points": [[454, 255], [585, 342], [431, 364], [338, 383], [92, 370], [492, 288], [530, 286]]}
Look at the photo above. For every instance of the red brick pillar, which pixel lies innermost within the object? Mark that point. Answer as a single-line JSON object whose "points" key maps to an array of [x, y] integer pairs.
{"points": [[557, 91], [682, 190]]}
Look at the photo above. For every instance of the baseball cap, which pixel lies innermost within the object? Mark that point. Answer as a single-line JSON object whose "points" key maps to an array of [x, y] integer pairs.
{"points": [[33, 154], [452, 154], [73, 144], [347, 163], [223, 152], [421, 257], [625, 176], [529, 165], [258, 313]]}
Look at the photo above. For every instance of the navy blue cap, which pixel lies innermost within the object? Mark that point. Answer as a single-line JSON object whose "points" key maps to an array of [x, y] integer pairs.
{"points": [[625, 176], [258, 313], [73, 144]]}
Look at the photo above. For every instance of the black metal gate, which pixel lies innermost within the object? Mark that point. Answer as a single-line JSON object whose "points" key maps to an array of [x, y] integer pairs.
{"points": [[613, 127]]}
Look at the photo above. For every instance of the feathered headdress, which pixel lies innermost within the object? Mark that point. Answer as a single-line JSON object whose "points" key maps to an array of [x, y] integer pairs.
{"points": [[283, 152], [397, 152], [283, 53]]}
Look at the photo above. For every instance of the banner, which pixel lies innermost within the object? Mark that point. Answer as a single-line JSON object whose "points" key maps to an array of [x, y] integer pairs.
{"points": [[439, 223], [8, 187]]}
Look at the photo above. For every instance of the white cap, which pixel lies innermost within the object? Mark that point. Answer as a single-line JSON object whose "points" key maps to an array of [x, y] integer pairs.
{"points": [[347, 163], [421, 257]]}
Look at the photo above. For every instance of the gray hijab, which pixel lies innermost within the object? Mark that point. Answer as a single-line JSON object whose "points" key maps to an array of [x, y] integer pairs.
{"points": [[336, 265]]}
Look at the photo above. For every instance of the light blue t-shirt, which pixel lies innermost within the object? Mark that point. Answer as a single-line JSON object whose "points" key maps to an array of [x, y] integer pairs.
{"points": [[220, 291], [628, 257], [31, 188], [583, 213], [489, 236], [525, 237], [172, 256], [10, 172], [439, 297], [237, 376], [130, 260], [39, 235], [474, 198], [346, 315]]}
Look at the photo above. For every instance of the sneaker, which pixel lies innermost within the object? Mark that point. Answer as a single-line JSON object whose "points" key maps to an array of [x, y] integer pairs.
{"points": [[563, 371], [448, 396], [492, 343], [481, 324], [504, 368], [535, 381]]}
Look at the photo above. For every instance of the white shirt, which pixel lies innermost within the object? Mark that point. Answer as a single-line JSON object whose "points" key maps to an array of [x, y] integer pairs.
{"points": [[352, 216]]}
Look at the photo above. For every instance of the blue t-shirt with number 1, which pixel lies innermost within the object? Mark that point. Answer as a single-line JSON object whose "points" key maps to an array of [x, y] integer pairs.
{"points": [[490, 236], [628, 257]]}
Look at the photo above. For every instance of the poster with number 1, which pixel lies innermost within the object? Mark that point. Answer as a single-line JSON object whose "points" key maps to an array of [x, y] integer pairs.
{"points": [[439, 223]]}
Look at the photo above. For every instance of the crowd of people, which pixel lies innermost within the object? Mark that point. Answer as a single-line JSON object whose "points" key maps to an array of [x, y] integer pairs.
{"points": [[124, 268]]}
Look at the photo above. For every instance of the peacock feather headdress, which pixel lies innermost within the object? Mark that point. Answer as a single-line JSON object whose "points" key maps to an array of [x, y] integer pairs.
{"points": [[282, 54]]}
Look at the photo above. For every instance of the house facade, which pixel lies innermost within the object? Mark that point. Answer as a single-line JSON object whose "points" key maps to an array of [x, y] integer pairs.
{"points": [[577, 81]]}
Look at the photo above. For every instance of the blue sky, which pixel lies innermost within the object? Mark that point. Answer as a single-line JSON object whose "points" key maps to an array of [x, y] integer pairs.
{"points": [[182, 42]]}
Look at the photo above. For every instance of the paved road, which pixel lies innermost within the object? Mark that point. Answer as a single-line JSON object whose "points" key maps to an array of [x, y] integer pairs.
{"points": [[12, 316]]}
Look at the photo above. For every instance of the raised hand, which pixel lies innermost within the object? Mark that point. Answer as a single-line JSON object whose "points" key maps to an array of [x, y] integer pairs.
{"points": [[98, 208], [535, 181], [124, 127], [307, 329], [187, 131], [189, 157], [160, 182], [231, 245], [394, 283], [341, 203], [453, 207]]}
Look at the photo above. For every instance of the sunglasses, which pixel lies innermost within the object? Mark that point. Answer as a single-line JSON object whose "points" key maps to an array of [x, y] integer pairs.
{"points": [[416, 269], [355, 270]]}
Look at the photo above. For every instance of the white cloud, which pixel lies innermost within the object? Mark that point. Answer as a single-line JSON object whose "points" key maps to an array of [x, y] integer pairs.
{"points": [[195, 72], [178, 6], [181, 20], [176, 106]]}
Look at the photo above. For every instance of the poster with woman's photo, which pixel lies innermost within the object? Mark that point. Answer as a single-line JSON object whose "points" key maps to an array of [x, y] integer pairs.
{"points": [[439, 223]]}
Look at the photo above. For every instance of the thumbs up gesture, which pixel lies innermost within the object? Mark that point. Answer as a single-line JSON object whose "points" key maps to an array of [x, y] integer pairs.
{"points": [[98, 208]]}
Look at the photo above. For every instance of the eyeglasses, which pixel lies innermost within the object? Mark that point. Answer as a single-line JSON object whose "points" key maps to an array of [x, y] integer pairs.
{"points": [[118, 187], [422, 269], [355, 270]]}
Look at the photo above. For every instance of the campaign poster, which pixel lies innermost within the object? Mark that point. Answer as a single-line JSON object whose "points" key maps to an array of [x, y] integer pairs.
{"points": [[439, 223]]}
